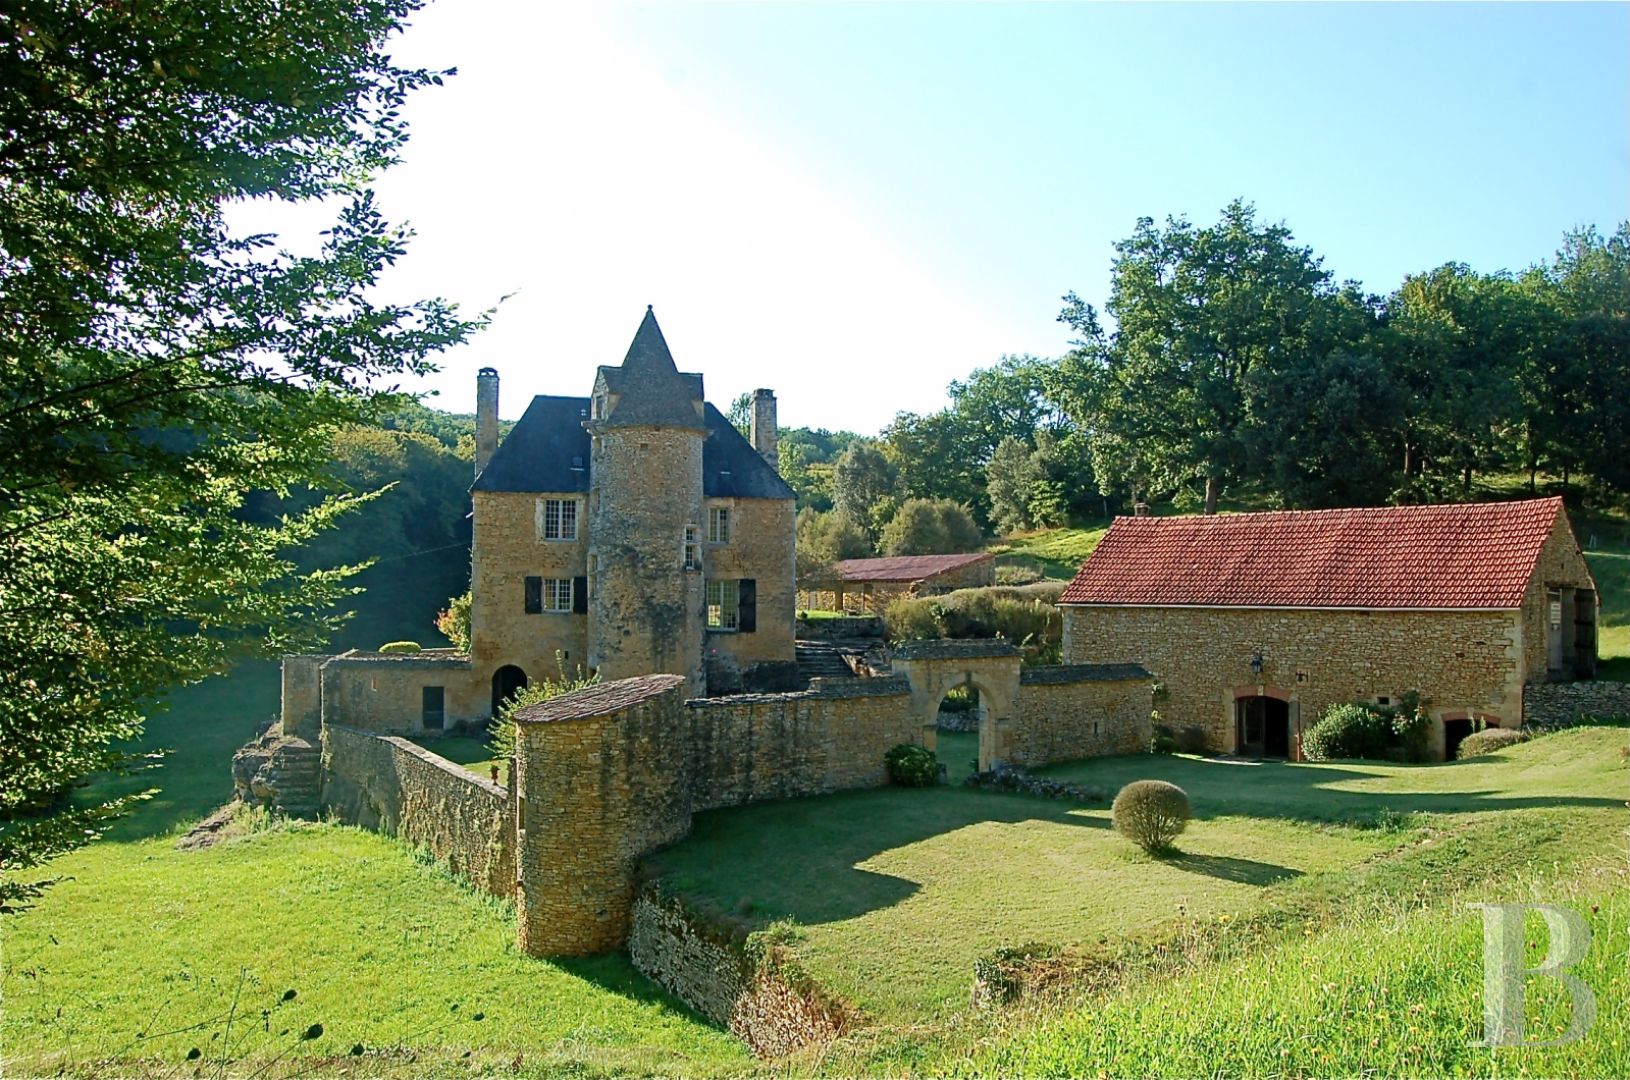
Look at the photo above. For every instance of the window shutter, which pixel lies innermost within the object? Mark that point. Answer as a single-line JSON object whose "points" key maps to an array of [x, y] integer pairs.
{"points": [[580, 596], [534, 595], [747, 605]]}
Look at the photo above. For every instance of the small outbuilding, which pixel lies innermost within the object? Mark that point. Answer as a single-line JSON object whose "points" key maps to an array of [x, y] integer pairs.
{"points": [[1255, 624], [866, 586]]}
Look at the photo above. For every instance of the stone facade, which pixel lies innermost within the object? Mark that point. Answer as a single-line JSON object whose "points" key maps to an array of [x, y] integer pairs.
{"points": [[1560, 567], [505, 551], [386, 783], [400, 692], [1461, 661]]}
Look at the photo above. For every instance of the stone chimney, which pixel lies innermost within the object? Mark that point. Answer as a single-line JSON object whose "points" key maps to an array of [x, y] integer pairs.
{"points": [[486, 416], [763, 426], [1140, 509]]}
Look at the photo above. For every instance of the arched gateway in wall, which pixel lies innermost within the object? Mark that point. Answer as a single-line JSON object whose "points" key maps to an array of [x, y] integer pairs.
{"points": [[990, 665]]}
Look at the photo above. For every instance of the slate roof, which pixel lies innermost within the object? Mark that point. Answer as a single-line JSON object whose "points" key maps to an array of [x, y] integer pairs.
{"points": [[651, 389], [904, 567], [1466, 555], [601, 700], [538, 453]]}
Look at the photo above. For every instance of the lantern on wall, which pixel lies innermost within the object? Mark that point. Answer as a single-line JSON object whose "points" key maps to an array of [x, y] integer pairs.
{"points": [[1256, 662]]}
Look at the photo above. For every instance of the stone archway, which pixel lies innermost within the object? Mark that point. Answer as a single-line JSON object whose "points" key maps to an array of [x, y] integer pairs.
{"points": [[991, 666]]}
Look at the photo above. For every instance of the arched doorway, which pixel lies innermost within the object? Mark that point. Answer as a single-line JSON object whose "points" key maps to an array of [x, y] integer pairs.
{"points": [[1262, 726], [505, 682], [960, 720]]}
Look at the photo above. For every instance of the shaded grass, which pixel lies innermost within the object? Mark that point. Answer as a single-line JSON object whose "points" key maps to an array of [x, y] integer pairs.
{"points": [[900, 891], [958, 751], [384, 951]]}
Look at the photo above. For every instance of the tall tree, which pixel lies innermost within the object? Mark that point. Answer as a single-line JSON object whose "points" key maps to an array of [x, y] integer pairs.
{"points": [[155, 367], [863, 484], [1166, 396]]}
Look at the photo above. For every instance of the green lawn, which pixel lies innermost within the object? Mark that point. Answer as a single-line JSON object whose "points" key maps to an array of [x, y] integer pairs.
{"points": [[900, 891], [146, 953], [1611, 569], [472, 753], [1054, 553]]}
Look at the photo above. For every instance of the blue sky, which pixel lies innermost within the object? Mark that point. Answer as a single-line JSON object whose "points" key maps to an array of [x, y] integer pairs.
{"points": [[854, 204]]}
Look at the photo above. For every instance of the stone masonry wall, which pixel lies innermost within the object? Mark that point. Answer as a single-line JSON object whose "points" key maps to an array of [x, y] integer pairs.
{"points": [[1561, 704], [777, 746], [1067, 713], [595, 792], [1460, 661], [386, 783], [1560, 564], [761, 548], [708, 967], [507, 549], [385, 693]]}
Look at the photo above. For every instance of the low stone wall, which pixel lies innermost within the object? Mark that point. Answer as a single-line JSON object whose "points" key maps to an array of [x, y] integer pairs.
{"points": [[1069, 711], [386, 783], [1561, 704], [710, 968], [831, 737], [842, 629]]}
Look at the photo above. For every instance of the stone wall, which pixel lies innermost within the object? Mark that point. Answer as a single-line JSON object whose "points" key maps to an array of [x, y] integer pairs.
{"points": [[1560, 565], [386, 783], [507, 549], [709, 967], [776, 746], [1460, 661], [761, 548], [843, 629], [385, 692], [601, 779], [1561, 704], [1079, 710], [301, 715]]}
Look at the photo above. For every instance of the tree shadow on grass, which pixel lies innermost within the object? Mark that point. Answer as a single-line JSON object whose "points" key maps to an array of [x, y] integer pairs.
{"points": [[1225, 868]]}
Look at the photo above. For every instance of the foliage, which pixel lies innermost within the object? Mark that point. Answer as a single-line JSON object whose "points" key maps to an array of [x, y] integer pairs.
{"points": [[1163, 740], [139, 395], [824, 539], [1489, 741], [863, 481], [1014, 576], [454, 621], [501, 729], [1151, 813], [1025, 615], [1004, 777], [910, 765], [806, 459], [401, 647], [1362, 730], [931, 527]]}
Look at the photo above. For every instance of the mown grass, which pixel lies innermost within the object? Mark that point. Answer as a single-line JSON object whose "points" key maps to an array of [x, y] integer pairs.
{"points": [[1054, 553], [1391, 987], [147, 953], [900, 891]]}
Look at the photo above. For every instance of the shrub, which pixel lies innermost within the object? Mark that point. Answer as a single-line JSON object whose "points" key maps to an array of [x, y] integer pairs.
{"points": [[931, 527], [1162, 741], [400, 647], [1151, 813], [1024, 615], [912, 620], [501, 730], [911, 766], [1378, 732], [1489, 741], [1017, 575], [454, 622], [1191, 739]]}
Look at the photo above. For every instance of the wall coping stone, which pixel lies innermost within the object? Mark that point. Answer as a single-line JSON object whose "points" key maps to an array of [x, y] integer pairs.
{"points": [[426, 659], [1073, 673], [955, 649], [413, 749], [601, 700], [819, 688]]}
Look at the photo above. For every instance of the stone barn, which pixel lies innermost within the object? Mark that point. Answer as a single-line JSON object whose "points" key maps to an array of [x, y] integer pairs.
{"points": [[1256, 623], [866, 586]]}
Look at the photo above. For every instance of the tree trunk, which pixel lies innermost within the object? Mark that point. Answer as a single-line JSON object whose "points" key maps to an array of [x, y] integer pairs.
{"points": [[1213, 488]]}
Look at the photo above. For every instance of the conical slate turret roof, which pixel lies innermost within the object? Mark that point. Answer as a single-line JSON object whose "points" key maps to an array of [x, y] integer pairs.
{"points": [[652, 391]]}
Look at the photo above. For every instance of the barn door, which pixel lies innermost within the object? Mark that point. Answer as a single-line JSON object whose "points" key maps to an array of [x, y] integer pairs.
{"points": [[1584, 634]]}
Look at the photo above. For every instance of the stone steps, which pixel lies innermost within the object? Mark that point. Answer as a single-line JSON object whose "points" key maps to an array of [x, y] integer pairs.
{"points": [[821, 660]]}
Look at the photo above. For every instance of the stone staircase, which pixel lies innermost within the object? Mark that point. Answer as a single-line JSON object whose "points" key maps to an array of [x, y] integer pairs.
{"points": [[823, 660], [284, 773]]}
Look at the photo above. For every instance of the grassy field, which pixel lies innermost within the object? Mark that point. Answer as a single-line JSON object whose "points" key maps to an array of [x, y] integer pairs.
{"points": [[899, 892], [1054, 553]]}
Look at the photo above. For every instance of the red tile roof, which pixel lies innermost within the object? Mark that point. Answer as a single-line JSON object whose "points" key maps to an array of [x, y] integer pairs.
{"points": [[904, 567], [1468, 555]]}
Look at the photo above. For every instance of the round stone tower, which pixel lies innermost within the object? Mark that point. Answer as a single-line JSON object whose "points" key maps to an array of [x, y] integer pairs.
{"points": [[646, 590]]}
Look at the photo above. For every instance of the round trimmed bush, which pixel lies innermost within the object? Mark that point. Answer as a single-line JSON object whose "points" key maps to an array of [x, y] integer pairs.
{"points": [[1348, 731], [400, 647], [1151, 813], [1490, 740], [912, 766]]}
